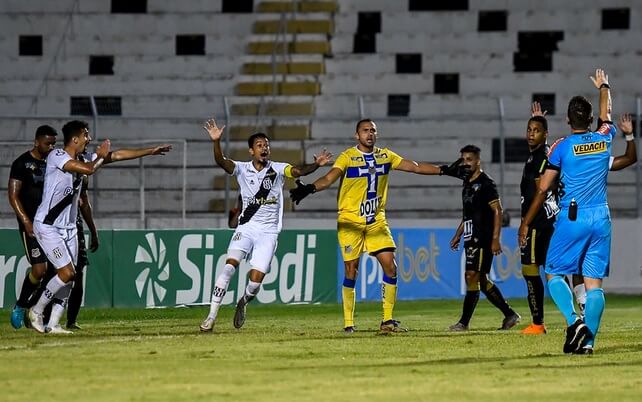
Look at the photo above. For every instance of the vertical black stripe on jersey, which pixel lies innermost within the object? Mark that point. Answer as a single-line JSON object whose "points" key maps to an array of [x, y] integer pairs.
{"points": [[57, 209], [263, 192]]}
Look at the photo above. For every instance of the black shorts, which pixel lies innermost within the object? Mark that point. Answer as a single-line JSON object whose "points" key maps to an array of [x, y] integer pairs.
{"points": [[534, 252], [479, 259], [34, 253]]}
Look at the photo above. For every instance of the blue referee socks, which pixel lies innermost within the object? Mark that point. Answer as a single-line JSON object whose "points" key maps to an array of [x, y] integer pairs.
{"points": [[593, 311], [563, 298]]}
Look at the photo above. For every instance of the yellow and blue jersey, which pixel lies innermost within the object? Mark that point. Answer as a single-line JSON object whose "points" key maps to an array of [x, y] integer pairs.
{"points": [[364, 186]]}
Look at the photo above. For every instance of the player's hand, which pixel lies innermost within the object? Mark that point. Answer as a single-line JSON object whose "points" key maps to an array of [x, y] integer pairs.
{"points": [[456, 169], [496, 247], [213, 130], [625, 124], [103, 149], [522, 235], [93, 242], [161, 149], [536, 110], [28, 228], [600, 78], [323, 158], [454, 243], [301, 191]]}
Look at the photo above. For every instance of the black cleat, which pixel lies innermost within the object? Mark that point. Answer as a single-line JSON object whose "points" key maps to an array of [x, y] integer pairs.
{"points": [[575, 335], [239, 314], [510, 321], [349, 330], [391, 326]]}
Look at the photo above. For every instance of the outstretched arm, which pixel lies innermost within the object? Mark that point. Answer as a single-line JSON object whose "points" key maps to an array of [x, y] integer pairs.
{"points": [[303, 190], [215, 134], [127, 154], [455, 169], [630, 153], [322, 159]]}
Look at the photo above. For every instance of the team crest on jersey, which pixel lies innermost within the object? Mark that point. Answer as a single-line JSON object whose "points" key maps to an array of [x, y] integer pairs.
{"points": [[68, 190], [476, 187], [267, 184], [348, 249], [35, 252], [57, 253], [381, 155], [590, 148]]}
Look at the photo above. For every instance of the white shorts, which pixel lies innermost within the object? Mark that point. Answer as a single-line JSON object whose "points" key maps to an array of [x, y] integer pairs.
{"points": [[257, 247], [60, 245]]}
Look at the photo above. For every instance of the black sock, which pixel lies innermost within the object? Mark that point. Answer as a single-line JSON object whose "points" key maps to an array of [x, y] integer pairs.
{"points": [[495, 297], [28, 288], [536, 298], [75, 298], [470, 302]]}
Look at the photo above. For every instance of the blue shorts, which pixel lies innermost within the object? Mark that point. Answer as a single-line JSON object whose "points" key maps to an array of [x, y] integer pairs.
{"points": [[582, 246]]}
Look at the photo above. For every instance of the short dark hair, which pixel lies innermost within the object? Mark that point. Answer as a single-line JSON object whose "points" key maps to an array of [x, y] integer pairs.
{"points": [[541, 120], [472, 149], [73, 128], [364, 121], [254, 137], [580, 113], [45, 130]]}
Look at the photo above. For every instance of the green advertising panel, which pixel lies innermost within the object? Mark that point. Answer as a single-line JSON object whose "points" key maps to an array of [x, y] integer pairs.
{"points": [[14, 266], [170, 267], [134, 268]]}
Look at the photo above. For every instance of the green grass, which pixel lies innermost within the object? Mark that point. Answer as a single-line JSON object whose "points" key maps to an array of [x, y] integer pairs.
{"points": [[298, 353]]}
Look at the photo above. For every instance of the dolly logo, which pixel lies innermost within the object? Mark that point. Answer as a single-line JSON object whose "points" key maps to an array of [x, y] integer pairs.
{"points": [[156, 270]]}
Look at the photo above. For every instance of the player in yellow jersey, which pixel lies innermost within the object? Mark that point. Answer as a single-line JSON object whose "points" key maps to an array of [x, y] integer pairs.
{"points": [[361, 225]]}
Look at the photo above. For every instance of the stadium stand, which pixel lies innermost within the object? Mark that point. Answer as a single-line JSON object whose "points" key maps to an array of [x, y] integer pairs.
{"points": [[305, 72]]}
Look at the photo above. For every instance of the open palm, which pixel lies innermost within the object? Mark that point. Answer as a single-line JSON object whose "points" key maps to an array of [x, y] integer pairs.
{"points": [[213, 130]]}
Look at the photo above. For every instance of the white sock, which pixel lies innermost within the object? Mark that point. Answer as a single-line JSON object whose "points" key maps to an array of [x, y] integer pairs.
{"points": [[54, 285], [220, 288], [58, 309], [580, 293], [251, 290]]}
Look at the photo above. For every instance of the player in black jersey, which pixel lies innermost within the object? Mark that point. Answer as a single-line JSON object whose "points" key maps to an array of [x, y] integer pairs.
{"points": [[533, 254], [481, 227], [26, 181]]}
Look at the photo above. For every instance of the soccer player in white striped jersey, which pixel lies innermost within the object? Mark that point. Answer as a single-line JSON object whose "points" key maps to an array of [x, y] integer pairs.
{"points": [[55, 221], [261, 183]]}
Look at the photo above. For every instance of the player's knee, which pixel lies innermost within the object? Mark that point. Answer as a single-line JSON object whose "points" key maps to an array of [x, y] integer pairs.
{"points": [[38, 270], [351, 269], [472, 277]]}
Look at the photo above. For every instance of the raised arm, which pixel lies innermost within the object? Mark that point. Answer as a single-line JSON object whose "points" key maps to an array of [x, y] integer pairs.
{"points": [[127, 154], [601, 82], [15, 186], [322, 159], [630, 155], [89, 168], [215, 134]]}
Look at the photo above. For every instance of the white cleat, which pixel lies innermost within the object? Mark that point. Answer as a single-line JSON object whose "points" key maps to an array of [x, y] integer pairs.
{"points": [[207, 325], [36, 321], [57, 330]]}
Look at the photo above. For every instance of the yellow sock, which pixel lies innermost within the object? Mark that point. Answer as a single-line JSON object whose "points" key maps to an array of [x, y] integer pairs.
{"points": [[388, 297], [349, 296], [33, 279]]}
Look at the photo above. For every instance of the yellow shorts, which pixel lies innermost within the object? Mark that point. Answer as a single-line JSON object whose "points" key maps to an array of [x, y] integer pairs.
{"points": [[357, 238]]}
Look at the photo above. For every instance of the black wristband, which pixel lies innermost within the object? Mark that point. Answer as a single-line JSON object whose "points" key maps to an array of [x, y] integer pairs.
{"points": [[607, 86]]}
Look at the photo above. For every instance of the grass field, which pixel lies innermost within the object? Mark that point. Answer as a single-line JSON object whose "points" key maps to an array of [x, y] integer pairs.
{"points": [[298, 353]]}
